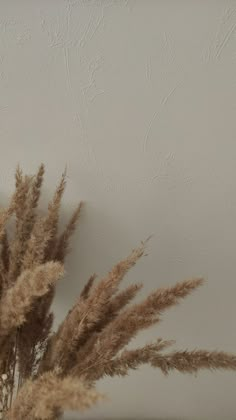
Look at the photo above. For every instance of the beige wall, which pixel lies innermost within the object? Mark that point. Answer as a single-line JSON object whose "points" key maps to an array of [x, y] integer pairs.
{"points": [[138, 98]]}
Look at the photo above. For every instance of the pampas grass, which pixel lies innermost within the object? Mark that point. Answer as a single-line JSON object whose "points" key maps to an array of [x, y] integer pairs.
{"points": [[43, 372]]}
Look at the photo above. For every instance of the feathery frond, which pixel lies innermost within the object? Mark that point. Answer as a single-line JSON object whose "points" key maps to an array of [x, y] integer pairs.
{"points": [[42, 371], [18, 300]]}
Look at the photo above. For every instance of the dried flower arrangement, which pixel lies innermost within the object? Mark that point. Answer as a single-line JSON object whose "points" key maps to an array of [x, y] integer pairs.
{"points": [[42, 372]]}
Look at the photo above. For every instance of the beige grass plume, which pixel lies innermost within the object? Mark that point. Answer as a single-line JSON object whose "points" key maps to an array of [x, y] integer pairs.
{"points": [[61, 367]]}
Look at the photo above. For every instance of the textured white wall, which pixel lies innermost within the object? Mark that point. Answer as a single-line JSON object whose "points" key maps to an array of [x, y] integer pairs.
{"points": [[138, 98]]}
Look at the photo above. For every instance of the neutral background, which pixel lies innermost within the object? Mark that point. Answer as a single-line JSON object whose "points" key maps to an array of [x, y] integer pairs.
{"points": [[138, 98]]}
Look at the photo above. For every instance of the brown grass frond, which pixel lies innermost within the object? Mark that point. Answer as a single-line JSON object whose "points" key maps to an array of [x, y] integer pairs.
{"points": [[116, 304], [36, 187], [52, 395], [51, 222], [88, 313], [4, 262], [55, 395], [44, 231], [192, 361], [122, 299], [25, 222], [42, 372], [18, 176], [129, 359], [128, 323], [88, 286], [18, 300], [5, 251], [62, 244], [35, 252], [16, 203], [22, 194]]}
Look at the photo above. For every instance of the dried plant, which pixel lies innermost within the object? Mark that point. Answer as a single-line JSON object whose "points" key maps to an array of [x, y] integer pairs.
{"points": [[43, 372]]}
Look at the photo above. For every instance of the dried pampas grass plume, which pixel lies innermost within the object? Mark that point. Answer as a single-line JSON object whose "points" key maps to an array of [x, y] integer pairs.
{"points": [[43, 372]]}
